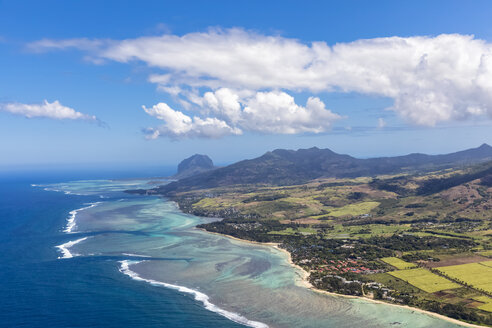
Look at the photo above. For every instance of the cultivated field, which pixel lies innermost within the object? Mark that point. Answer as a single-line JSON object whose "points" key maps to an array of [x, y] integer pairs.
{"points": [[354, 209], [487, 263], [398, 263], [478, 275], [487, 253], [487, 306], [457, 259], [424, 280]]}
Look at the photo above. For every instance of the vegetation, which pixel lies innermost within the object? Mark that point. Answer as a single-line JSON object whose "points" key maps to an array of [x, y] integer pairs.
{"points": [[486, 307], [432, 186], [424, 279], [287, 167], [398, 263], [476, 275], [353, 209], [351, 233]]}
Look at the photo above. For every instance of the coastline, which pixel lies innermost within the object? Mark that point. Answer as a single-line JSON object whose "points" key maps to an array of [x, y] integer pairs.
{"points": [[303, 281]]}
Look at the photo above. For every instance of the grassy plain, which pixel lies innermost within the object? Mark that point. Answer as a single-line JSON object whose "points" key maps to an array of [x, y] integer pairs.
{"points": [[353, 209], [487, 263], [291, 231], [487, 303], [398, 263], [487, 253], [477, 275], [424, 280], [486, 307]]}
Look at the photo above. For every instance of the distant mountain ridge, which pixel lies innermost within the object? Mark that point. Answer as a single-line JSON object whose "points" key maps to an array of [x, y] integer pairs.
{"points": [[286, 167], [194, 165]]}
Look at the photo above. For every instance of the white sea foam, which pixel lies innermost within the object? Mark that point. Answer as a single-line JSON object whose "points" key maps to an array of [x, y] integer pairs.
{"points": [[72, 214], [65, 248], [199, 296], [135, 255], [66, 192]]}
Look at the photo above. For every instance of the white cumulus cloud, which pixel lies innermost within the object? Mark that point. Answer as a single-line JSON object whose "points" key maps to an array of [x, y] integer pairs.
{"points": [[54, 110], [431, 79], [235, 112], [178, 125], [277, 112]]}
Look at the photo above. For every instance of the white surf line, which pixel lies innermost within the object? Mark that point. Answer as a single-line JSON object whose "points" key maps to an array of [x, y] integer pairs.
{"points": [[199, 296], [66, 192], [51, 189], [135, 255], [71, 219], [64, 248], [45, 187]]}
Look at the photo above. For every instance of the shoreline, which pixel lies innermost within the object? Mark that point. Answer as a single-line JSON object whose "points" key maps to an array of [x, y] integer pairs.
{"points": [[304, 282]]}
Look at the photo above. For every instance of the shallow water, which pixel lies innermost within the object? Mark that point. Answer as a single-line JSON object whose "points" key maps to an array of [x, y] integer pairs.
{"points": [[150, 241]]}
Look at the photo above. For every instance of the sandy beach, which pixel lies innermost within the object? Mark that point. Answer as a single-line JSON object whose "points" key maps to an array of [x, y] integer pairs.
{"points": [[303, 281]]}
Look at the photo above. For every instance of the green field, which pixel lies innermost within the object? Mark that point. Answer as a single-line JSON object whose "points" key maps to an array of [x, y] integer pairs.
{"points": [[487, 253], [477, 275], [488, 303], [398, 263], [424, 280], [487, 263], [290, 231], [354, 209], [486, 307]]}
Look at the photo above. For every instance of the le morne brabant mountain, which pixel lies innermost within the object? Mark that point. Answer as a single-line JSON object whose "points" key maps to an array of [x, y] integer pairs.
{"points": [[194, 165]]}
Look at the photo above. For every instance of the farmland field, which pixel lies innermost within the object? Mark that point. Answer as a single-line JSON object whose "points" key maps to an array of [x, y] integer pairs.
{"points": [[354, 209], [486, 307], [477, 275], [487, 263], [424, 280], [290, 231], [487, 253], [398, 263], [488, 303]]}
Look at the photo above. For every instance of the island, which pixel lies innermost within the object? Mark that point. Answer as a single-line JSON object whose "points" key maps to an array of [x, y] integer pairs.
{"points": [[412, 230]]}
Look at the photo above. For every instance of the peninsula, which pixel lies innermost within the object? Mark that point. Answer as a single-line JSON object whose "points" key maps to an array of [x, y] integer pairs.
{"points": [[412, 230]]}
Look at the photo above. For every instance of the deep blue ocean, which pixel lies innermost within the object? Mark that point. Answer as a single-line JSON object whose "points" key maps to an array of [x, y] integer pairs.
{"points": [[38, 290]]}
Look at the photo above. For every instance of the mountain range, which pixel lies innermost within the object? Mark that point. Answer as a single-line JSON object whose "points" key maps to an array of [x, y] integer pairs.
{"points": [[289, 167]]}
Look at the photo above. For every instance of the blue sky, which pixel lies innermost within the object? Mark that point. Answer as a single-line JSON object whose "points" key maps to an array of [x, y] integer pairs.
{"points": [[72, 52]]}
